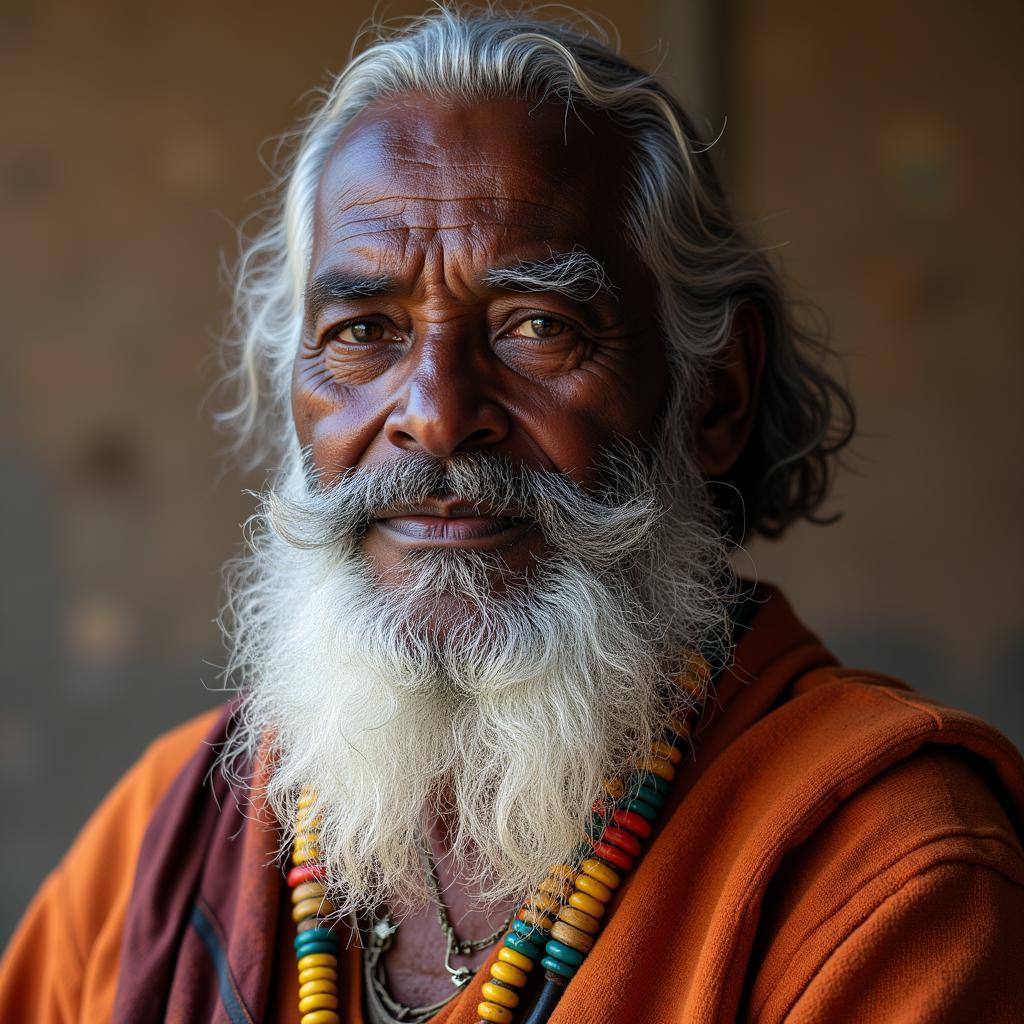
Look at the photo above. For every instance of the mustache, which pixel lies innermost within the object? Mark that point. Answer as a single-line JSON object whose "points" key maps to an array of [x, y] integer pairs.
{"points": [[602, 524]]}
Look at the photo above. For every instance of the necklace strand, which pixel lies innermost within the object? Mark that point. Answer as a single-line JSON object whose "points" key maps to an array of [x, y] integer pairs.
{"points": [[556, 927]]}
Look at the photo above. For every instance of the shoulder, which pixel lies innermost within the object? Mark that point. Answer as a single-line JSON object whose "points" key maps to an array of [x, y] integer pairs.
{"points": [[913, 887], [76, 916], [115, 830], [913, 851]]}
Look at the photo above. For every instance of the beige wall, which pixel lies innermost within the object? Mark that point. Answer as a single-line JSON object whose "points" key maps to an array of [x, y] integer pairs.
{"points": [[879, 148], [886, 154]]}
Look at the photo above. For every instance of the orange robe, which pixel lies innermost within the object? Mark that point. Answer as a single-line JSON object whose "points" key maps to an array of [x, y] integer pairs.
{"points": [[844, 850]]}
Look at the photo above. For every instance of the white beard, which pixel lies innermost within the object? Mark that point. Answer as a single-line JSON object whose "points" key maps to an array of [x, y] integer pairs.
{"points": [[508, 722]]}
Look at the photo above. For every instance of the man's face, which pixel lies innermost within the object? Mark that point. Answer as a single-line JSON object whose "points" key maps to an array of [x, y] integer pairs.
{"points": [[412, 347]]}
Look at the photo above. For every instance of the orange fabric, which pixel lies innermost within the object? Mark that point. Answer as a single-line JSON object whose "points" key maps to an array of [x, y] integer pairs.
{"points": [[842, 849]]}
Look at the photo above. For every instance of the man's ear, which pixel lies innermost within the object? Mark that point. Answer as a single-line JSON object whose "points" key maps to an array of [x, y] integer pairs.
{"points": [[723, 420]]}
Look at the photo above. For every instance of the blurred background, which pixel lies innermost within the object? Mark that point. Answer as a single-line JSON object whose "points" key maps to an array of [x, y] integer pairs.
{"points": [[876, 148]]}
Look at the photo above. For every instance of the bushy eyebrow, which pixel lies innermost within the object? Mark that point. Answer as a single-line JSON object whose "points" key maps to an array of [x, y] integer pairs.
{"points": [[341, 286], [575, 274]]}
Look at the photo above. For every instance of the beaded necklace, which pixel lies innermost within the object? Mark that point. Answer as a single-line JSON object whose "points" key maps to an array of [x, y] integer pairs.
{"points": [[557, 926]]}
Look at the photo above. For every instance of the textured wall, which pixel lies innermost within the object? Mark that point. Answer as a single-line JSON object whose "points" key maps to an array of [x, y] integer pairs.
{"points": [[878, 147]]}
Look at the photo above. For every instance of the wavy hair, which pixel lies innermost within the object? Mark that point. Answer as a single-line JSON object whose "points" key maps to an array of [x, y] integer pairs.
{"points": [[677, 221]]}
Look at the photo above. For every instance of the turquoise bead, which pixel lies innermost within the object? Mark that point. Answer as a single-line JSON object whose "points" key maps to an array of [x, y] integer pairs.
{"points": [[560, 951], [529, 932], [316, 947], [643, 809], [549, 963], [656, 800], [315, 935], [652, 781], [520, 945]]}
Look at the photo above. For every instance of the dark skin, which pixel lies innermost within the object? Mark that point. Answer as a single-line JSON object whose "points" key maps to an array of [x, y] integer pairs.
{"points": [[431, 195]]}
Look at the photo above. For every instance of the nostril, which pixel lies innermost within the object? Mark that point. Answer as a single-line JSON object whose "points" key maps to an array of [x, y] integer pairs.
{"points": [[478, 437]]}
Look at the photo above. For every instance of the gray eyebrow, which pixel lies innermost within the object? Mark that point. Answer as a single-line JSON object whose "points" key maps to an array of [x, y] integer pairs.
{"points": [[575, 273], [341, 286]]}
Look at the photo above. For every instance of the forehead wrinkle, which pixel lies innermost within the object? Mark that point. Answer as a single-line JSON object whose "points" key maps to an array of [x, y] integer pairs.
{"points": [[509, 200]]}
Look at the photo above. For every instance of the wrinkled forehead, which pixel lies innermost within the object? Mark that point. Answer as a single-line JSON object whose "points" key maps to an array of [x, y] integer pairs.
{"points": [[534, 170]]}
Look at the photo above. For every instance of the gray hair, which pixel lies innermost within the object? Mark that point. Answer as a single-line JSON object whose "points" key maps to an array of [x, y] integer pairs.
{"points": [[677, 221]]}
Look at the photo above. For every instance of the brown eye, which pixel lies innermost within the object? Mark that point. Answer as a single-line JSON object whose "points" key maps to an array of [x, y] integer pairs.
{"points": [[360, 332], [541, 327]]}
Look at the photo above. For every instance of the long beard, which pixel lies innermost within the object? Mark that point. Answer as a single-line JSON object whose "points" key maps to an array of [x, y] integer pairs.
{"points": [[505, 722]]}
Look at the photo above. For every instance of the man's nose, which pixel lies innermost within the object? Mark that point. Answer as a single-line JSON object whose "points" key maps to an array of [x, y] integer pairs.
{"points": [[446, 408]]}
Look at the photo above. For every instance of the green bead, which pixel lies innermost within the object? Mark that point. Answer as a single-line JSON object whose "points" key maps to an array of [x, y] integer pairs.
{"points": [[654, 799], [560, 951], [549, 963], [652, 781], [316, 947], [530, 932], [520, 945], [643, 809], [315, 935]]}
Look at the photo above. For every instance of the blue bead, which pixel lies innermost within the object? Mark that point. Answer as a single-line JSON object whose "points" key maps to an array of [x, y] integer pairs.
{"points": [[549, 963], [652, 781], [316, 947], [647, 794], [529, 932], [645, 810], [315, 935], [520, 945], [560, 951]]}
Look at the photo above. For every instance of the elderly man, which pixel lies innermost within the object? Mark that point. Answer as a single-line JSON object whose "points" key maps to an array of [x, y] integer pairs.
{"points": [[513, 743]]}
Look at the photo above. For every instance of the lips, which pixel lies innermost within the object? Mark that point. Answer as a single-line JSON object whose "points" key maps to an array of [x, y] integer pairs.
{"points": [[452, 522]]}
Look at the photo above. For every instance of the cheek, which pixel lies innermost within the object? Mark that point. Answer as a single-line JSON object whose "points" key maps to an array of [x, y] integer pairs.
{"points": [[337, 423]]}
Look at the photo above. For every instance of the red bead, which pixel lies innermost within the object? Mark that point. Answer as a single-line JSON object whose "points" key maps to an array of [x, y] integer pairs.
{"points": [[622, 839], [308, 872], [631, 820], [613, 855]]}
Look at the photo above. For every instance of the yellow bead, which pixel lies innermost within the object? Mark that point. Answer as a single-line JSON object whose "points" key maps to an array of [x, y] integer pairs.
{"points": [[563, 871], [543, 902], [310, 908], [515, 958], [604, 874], [557, 887], [696, 665], [306, 798], [507, 973], [301, 856], [321, 1001], [307, 891], [320, 1017], [317, 974], [592, 887], [666, 750], [535, 917], [486, 1011], [680, 727], [576, 918], [615, 788], [581, 901], [496, 994], [311, 988], [318, 960], [659, 766], [305, 839]]}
